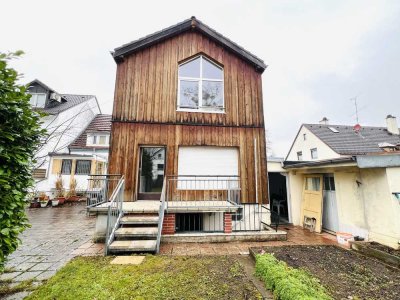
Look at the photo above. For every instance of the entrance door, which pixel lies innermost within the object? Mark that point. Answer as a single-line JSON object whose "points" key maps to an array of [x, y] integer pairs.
{"points": [[312, 202], [330, 219], [151, 172]]}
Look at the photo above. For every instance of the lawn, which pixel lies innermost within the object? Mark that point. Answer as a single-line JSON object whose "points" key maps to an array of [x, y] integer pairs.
{"points": [[345, 274], [158, 277]]}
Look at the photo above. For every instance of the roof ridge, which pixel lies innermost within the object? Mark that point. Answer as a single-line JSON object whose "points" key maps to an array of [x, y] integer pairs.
{"points": [[332, 125]]}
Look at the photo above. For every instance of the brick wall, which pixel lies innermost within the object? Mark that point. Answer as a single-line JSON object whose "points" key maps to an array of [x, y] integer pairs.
{"points": [[227, 223], [168, 224]]}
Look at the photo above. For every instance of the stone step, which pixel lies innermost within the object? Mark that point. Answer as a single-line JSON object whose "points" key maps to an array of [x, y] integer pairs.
{"points": [[133, 246], [142, 232], [139, 219]]}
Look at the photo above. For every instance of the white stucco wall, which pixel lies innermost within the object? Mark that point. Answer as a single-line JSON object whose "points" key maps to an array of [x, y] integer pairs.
{"points": [[312, 141], [63, 128]]}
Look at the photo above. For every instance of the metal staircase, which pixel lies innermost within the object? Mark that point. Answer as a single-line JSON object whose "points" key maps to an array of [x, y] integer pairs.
{"points": [[133, 231]]}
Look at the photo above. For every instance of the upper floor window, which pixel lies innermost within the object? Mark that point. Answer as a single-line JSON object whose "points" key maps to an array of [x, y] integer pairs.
{"points": [[98, 140], [304, 136], [201, 86], [38, 99], [314, 153], [299, 155]]}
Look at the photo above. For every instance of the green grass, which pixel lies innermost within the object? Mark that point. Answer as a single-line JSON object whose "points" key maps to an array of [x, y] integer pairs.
{"points": [[288, 283], [158, 277]]}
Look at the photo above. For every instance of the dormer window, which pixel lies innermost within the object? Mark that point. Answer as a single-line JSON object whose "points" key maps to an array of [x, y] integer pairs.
{"points": [[38, 99], [98, 139], [200, 86]]}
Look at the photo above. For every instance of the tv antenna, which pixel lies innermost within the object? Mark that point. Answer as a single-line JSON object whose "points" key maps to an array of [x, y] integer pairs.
{"points": [[354, 99]]}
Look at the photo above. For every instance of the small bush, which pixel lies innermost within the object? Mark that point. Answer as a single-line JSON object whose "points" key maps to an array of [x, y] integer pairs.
{"points": [[286, 282]]}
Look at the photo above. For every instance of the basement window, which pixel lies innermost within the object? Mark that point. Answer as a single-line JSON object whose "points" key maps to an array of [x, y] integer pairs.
{"points": [[200, 86], [189, 222]]}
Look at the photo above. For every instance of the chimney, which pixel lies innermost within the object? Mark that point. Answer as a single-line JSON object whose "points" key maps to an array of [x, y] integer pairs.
{"points": [[392, 126], [324, 121]]}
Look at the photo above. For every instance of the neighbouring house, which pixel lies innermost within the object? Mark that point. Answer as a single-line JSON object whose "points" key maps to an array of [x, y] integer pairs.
{"points": [[66, 116], [347, 179], [187, 129], [87, 155]]}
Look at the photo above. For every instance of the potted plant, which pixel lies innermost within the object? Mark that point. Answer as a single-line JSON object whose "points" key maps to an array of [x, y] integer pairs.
{"points": [[43, 199], [33, 198], [60, 193], [72, 195]]}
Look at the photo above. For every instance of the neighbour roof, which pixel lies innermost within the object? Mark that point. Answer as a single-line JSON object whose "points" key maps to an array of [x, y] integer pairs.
{"points": [[67, 100], [348, 142], [187, 25], [319, 163], [101, 123], [70, 101]]}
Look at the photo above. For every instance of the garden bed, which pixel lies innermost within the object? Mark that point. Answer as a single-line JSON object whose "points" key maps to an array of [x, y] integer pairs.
{"points": [[343, 273], [158, 277]]}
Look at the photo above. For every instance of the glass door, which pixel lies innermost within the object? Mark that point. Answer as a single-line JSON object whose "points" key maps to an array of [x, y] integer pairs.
{"points": [[151, 172]]}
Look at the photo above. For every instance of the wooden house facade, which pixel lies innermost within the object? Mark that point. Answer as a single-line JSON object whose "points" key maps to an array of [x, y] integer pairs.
{"points": [[190, 99]]}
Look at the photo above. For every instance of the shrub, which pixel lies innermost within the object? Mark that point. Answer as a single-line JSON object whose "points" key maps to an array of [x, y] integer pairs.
{"points": [[286, 282], [20, 135]]}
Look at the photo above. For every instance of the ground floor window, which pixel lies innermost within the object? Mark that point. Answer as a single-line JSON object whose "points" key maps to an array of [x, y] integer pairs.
{"points": [[83, 167]]}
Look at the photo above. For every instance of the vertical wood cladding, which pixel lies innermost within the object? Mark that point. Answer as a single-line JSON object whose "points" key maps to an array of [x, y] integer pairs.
{"points": [[147, 83], [128, 137], [145, 104]]}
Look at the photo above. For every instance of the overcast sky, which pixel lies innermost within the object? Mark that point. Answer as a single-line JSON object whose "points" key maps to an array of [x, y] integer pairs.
{"points": [[319, 53]]}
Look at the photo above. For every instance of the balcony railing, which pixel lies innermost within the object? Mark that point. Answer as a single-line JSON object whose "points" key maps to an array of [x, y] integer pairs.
{"points": [[202, 192], [100, 188]]}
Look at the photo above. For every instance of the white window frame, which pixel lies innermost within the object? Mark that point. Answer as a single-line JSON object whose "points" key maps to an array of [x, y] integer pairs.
{"points": [[200, 79], [36, 95], [91, 137], [314, 150]]}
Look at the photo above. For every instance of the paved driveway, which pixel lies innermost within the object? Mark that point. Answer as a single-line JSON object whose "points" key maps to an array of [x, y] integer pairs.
{"points": [[52, 241]]}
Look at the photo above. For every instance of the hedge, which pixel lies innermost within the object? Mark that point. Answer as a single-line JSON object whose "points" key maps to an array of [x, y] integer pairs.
{"points": [[288, 283]]}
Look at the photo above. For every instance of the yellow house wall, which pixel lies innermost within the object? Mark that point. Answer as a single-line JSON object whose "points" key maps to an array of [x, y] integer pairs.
{"points": [[382, 210], [369, 210]]}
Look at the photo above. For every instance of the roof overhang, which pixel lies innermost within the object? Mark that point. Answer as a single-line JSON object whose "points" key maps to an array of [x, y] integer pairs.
{"points": [[343, 161], [191, 24]]}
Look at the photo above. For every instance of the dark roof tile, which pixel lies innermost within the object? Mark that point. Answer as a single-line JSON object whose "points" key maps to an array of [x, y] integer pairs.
{"points": [[348, 142]]}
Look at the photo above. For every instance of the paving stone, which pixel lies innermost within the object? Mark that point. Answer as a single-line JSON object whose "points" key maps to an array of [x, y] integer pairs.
{"points": [[27, 275], [127, 260], [41, 267], [46, 275], [8, 276], [17, 296], [25, 266]]}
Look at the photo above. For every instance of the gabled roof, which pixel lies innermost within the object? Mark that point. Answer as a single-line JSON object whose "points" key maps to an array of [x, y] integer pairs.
{"points": [[191, 24], [100, 123], [348, 142], [67, 100]]}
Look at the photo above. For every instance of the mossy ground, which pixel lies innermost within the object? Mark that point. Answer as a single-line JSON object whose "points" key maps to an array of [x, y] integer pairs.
{"points": [[158, 277]]}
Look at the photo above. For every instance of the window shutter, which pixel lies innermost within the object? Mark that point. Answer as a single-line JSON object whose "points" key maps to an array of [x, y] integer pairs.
{"points": [[56, 166]]}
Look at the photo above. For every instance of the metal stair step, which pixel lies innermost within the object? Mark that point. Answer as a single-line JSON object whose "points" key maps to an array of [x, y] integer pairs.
{"points": [[139, 219], [126, 232], [133, 246]]}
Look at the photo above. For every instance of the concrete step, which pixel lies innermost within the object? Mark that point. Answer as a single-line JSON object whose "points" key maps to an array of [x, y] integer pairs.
{"points": [[139, 220], [138, 232], [134, 246]]}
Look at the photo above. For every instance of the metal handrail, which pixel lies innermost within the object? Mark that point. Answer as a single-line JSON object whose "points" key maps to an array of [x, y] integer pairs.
{"points": [[115, 212], [98, 188], [161, 214], [272, 213]]}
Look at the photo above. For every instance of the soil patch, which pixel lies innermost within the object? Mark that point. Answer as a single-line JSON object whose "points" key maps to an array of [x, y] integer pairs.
{"points": [[345, 274]]}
